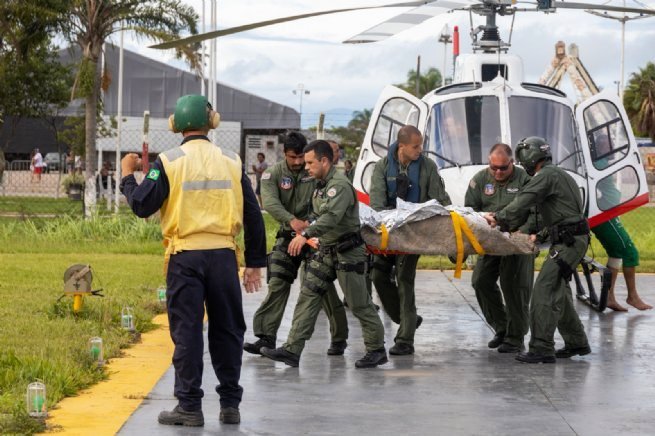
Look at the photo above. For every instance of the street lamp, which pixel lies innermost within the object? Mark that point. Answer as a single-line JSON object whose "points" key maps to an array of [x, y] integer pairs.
{"points": [[300, 91], [446, 39]]}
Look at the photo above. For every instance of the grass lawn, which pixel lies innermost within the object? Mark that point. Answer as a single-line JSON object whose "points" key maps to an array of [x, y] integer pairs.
{"points": [[41, 337]]}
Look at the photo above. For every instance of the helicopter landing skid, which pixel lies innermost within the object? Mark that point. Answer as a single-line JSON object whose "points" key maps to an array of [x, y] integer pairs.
{"points": [[589, 266]]}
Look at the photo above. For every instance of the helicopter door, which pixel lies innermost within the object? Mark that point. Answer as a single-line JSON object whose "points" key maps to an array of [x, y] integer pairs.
{"points": [[394, 109], [616, 177]]}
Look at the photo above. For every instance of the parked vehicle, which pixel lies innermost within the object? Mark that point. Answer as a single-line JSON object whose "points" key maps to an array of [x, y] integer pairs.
{"points": [[54, 161]]}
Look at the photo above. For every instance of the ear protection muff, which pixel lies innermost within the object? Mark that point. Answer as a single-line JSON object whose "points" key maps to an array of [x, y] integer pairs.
{"points": [[171, 124], [214, 119]]}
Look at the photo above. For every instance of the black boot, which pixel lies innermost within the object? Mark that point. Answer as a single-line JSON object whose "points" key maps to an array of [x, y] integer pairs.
{"points": [[531, 357], [337, 348], [496, 341], [281, 355], [256, 347], [373, 359], [179, 416], [564, 353], [229, 415], [419, 321], [401, 349]]}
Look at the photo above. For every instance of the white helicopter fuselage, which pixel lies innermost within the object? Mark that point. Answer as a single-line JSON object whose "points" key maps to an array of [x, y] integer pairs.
{"points": [[489, 103]]}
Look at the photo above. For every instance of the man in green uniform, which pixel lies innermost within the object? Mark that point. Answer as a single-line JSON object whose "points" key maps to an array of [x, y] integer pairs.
{"points": [[341, 255], [404, 173], [490, 190], [287, 190], [560, 206]]}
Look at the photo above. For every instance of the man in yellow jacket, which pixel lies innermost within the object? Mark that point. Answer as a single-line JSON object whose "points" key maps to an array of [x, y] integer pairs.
{"points": [[205, 199]]}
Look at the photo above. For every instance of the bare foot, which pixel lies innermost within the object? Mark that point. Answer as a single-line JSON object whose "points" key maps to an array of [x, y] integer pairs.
{"points": [[616, 307], [638, 303]]}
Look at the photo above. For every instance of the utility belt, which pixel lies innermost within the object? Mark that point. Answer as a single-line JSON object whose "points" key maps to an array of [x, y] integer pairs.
{"points": [[345, 243], [565, 233]]}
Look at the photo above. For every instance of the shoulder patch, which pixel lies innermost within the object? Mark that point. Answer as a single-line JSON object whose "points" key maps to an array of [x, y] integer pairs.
{"points": [[332, 192], [286, 183], [153, 174], [472, 184], [266, 176]]}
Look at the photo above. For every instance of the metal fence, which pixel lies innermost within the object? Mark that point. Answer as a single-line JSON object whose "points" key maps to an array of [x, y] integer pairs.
{"points": [[26, 194]]}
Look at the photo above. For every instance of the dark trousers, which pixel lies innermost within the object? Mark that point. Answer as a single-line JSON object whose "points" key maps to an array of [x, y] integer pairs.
{"points": [[195, 280]]}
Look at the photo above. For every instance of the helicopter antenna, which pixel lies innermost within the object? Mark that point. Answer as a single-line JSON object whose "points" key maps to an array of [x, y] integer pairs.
{"points": [[511, 29]]}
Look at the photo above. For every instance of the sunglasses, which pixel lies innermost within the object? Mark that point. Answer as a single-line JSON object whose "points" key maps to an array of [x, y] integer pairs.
{"points": [[500, 168]]}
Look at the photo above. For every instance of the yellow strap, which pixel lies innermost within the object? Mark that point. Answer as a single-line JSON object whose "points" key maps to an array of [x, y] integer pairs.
{"points": [[470, 236], [384, 238], [459, 242]]}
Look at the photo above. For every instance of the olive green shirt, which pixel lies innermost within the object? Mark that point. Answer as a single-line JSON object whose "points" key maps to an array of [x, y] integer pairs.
{"points": [[555, 194], [431, 185], [287, 194], [486, 194], [336, 209]]}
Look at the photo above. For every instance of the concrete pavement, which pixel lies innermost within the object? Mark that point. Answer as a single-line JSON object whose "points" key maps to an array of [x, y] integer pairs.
{"points": [[453, 385]]}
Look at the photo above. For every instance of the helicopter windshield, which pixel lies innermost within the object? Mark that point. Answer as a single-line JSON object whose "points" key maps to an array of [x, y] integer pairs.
{"points": [[463, 130], [530, 116]]}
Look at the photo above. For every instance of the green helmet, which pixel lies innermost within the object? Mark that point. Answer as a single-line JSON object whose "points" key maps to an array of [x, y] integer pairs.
{"points": [[191, 113], [530, 151]]}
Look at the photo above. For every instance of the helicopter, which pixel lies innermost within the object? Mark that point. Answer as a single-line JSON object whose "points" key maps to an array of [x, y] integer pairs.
{"points": [[489, 101]]}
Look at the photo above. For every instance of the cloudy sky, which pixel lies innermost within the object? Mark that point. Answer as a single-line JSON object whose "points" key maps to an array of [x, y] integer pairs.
{"points": [[272, 61]]}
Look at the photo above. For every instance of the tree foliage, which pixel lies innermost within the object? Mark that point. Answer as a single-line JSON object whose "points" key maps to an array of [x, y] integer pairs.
{"points": [[639, 101], [34, 83], [352, 136], [428, 81]]}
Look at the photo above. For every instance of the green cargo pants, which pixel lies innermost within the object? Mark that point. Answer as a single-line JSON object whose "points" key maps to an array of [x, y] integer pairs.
{"points": [[516, 274], [283, 272], [398, 298], [552, 302], [320, 273]]}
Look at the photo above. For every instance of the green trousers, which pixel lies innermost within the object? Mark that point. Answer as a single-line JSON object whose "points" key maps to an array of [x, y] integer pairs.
{"points": [[283, 271], [552, 302], [320, 274], [397, 296], [516, 274]]}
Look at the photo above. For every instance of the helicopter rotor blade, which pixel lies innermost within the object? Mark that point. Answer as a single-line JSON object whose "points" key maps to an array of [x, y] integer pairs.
{"points": [[232, 30], [567, 5], [408, 19]]}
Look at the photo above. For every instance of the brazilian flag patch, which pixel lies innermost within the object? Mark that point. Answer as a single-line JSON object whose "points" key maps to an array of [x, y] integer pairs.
{"points": [[153, 175]]}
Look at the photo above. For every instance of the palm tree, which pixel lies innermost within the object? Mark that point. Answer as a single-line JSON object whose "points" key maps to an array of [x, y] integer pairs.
{"points": [[89, 23], [427, 82], [639, 101]]}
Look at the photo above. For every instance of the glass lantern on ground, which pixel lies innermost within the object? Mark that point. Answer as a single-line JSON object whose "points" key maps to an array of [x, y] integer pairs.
{"points": [[96, 350], [36, 400], [127, 319]]}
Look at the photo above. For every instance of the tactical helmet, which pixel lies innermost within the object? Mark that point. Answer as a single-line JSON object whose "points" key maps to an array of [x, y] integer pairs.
{"points": [[530, 151], [193, 112]]}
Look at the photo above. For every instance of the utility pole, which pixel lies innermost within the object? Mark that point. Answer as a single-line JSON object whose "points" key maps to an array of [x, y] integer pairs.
{"points": [[300, 91]]}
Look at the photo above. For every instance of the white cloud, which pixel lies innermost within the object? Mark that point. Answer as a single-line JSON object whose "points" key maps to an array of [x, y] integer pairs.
{"points": [[272, 61]]}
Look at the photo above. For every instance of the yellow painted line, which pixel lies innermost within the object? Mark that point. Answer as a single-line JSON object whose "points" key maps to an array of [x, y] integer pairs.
{"points": [[103, 408]]}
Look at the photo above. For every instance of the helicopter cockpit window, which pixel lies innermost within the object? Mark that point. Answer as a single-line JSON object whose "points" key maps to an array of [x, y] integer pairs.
{"points": [[606, 134], [530, 116], [463, 130], [395, 113]]}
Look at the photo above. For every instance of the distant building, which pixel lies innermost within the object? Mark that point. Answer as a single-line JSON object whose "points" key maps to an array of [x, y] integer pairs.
{"points": [[155, 86]]}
